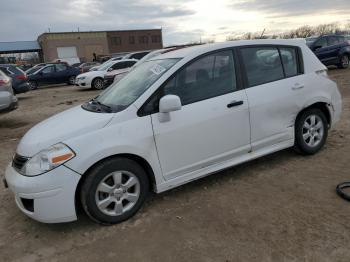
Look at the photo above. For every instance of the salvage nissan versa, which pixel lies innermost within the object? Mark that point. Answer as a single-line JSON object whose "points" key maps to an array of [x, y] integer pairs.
{"points": [[175, 118]]}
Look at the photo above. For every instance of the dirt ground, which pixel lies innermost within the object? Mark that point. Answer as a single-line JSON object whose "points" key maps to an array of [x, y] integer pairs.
{"points": [[282, 207]]}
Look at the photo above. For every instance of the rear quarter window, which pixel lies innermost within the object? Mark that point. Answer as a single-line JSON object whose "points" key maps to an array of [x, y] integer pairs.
{"points": [[267, 64], [262, 65]]}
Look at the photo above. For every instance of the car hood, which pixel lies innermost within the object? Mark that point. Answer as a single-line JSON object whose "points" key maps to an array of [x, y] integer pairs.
{"points": [[70, 123]]}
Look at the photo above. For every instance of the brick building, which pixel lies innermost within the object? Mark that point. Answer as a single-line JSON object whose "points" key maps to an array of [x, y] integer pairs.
{"points": [[83, 45]]}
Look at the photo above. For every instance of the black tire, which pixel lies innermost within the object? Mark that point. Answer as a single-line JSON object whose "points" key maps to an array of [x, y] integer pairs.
{"points": [[97, 83], [300, 145], [100, 172], [71, 80], [33, 85], [344, 61]]}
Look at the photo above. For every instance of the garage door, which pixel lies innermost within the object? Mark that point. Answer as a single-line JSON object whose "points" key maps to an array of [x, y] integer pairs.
{"points": [[67, 52]]}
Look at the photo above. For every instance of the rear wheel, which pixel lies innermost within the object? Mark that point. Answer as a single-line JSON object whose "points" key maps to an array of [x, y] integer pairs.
{"points": [[114, 190], [344, 62], [97, 83], [311, 130], [33, 85]]}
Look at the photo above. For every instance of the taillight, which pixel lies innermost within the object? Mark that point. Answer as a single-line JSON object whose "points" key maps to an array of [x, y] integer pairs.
{"points": [[4, 82], [21, 77]]}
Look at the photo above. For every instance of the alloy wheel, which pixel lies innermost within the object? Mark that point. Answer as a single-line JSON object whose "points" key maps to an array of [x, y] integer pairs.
{"points": [[117, 193], [98, 83], [313, 130]]}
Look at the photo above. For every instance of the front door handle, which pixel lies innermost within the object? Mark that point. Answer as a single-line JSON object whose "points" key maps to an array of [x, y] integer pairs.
{"points": [[234, 103]]}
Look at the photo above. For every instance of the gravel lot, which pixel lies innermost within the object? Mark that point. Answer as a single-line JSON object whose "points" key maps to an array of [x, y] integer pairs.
{"points": [[282, 207]]}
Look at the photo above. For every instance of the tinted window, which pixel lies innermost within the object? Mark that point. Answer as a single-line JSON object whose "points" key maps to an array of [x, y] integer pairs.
{"points": [[61, 67], [48, 70], [120, 65], [138, 55], [332, 40], [290, 62], [262, 65], [321, 43], [341, 39], [208, 77]]}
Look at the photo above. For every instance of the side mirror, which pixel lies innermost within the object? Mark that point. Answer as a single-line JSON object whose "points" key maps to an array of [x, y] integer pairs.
{"points": [[169, 103], [316, 47], [110, 69]]}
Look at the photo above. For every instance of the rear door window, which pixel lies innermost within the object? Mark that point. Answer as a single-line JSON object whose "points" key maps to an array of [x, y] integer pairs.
{"points": [[48, 70], [262, 65], [61, 67]]}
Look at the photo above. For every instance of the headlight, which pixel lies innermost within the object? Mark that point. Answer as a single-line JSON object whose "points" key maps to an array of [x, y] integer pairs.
{"points": [[81, 78], [47, 159]]}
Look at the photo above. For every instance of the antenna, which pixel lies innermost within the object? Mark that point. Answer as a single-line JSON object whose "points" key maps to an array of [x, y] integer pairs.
{"points": [[262, 34]]}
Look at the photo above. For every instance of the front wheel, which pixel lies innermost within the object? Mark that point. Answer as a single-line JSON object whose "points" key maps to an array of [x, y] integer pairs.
{"points": [[97, 83], [114, 190], [71, 80], [344, 62], [311, 130]]}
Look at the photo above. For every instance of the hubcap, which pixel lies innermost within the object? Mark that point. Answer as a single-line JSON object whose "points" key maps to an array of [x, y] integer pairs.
{"points": [[313, 130], [117, 193]]}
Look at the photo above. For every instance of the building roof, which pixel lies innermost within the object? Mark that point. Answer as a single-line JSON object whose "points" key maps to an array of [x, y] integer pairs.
{"points": [[19, 46]]}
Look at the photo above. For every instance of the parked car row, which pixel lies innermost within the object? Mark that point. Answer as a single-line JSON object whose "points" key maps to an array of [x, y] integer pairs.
{"points": [[119, 65]]}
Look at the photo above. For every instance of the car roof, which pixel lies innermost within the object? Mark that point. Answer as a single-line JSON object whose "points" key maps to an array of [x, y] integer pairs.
{"points": [[194, 51]]}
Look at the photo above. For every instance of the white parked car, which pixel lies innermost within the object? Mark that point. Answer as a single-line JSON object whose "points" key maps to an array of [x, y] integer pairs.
{"points": [[8, 100], [175, 118], [94, 79]]}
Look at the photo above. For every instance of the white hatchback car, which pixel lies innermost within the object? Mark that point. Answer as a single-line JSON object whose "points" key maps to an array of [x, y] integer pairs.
{"points": [[94, 79], [175, 118]]}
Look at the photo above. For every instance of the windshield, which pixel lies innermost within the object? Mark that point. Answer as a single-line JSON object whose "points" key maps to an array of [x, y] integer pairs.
{"points": [[310, 40], [34, 69], [105, 66], [133, 85]]}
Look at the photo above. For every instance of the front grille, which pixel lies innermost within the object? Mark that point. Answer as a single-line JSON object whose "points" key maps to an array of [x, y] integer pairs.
{"points": [[19, 161]]}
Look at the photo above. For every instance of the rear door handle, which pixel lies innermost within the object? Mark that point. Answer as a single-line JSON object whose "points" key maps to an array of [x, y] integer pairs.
{"points": [[234, 103], [297, 86]]}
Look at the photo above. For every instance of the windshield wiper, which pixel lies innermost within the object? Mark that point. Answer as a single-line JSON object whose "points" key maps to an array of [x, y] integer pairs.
{"points": [[105, 107]]}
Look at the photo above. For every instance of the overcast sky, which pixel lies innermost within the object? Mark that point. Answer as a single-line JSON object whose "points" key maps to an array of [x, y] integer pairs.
{"points": [[182, 21]]}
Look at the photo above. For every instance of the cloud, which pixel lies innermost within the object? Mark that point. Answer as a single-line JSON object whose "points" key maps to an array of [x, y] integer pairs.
{"points": [[289, 8], [36, 16]]}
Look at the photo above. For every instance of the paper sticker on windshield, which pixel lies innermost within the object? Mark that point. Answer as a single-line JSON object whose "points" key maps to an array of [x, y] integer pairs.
{"points": [[157, 69]]}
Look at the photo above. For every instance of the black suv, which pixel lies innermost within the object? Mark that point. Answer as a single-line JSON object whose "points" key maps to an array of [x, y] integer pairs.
{"points": [[19, 78], [331, 49]]}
